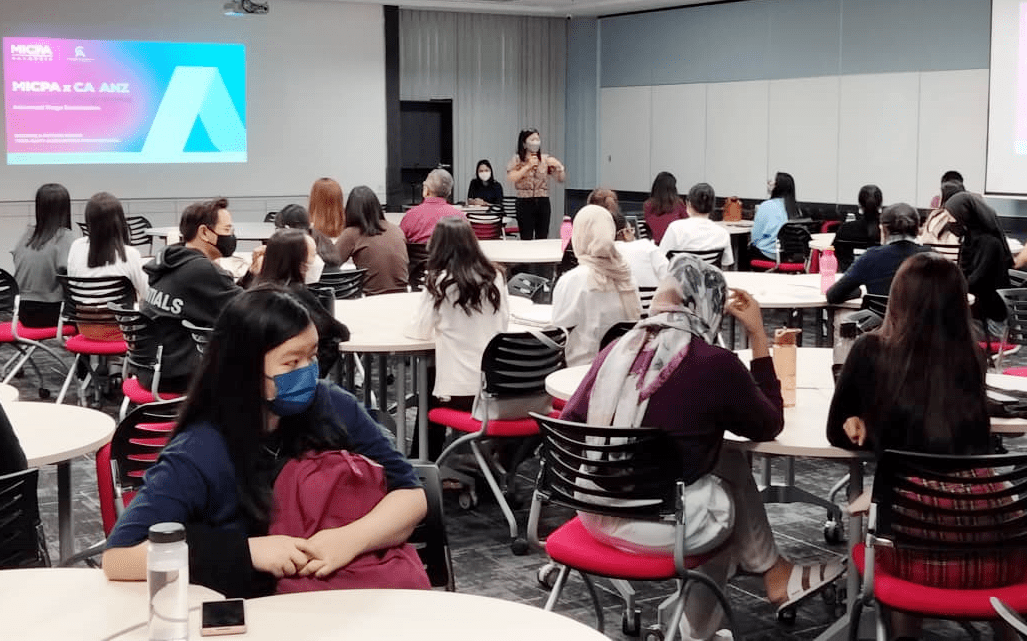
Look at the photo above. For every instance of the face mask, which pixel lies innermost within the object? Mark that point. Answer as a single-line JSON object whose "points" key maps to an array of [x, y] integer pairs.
{"points": [[226, 244], [533, 146], [294, 390], [314, 270], [484, 176]]}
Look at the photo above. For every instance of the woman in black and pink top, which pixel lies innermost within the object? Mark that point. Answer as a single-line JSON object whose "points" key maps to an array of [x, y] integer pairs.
{"points": [[529, 170]]}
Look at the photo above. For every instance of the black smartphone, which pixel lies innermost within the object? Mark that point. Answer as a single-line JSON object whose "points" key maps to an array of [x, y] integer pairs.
{"points": [[223, 617]]}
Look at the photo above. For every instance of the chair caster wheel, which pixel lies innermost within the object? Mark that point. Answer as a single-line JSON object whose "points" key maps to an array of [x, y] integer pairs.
{"points": [[787, 615], [468, 499], [829, 595], [546, 575], [44, 393], [833, 532], [654, 633], [631, 625], [519, 546]]}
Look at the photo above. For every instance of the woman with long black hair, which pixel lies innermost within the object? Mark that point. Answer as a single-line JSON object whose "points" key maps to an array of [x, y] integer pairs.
{"points": [[255, 408], [40, 254], [529, 170], [374, 244], [484, 188], [664, 205], [773, 213], [105, 251], [862, 232], [463, 305]]}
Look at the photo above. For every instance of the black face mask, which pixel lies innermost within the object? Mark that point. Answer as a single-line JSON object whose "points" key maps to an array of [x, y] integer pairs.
{"points": [[226, 244]]}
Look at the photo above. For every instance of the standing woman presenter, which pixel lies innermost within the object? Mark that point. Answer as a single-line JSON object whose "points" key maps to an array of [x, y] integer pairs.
{"points": [[529, 170]]}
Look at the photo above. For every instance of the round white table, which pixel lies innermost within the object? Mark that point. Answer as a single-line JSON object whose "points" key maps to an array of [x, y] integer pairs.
{"points": [[55, 434], [425, 615], [737, 227], [243, 231], [80, 603], [820, 242], [545, 251], [8, 393], [377, 325]]}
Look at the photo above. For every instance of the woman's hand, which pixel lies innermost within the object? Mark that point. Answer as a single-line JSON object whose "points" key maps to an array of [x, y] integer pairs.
{"points": [[856, 430], [278, 554], [329, 550]]}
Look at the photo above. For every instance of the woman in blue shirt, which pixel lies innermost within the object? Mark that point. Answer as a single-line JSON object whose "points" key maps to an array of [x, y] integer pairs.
{"points": [[772, 214], [255, 404]]}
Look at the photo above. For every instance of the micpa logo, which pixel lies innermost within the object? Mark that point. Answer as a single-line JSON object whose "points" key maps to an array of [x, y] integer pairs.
{"points": [[31, 52]]}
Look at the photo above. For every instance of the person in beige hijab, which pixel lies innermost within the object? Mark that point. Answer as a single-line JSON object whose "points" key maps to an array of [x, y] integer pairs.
{"points": [[597, 293]]}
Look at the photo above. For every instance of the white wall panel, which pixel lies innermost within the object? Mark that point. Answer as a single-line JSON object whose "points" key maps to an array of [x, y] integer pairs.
{"points": [[802, 135], [678, 134], [624, 144], [736, 137]]}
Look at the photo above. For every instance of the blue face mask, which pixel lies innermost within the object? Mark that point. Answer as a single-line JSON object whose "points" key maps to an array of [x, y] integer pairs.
{"points": [[294, 390]]}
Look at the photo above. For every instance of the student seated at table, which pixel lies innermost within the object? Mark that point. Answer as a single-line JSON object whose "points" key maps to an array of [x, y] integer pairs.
{"points": [[984, 258], [463, 305], [660, 374], [698, 232], [772, 214], [875, 269], [918, 384], [256, 411], [105, 251], [294, 216], [597, 293], [939, 225], [186, 283], [648, 262], [40, 254], [862, 232], [327, 208], [374, 244], [484, 189], [419, 223], [290, 261], [663, 206]]}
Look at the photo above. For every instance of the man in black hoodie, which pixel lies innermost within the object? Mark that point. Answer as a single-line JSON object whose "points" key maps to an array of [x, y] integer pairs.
{"points": [[185, 283]]}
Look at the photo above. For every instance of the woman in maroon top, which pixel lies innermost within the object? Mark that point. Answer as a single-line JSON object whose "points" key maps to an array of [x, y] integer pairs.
{"points": [[660, 375], [664, 205]]}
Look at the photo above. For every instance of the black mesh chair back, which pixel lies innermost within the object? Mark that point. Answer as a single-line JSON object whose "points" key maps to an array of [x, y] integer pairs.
{"points": [[510, 206], [324, 295], [22, 544], [709, 256], [429, 537], [1016, 318], [201, 335], [1017, 278], [616, 331], [137, 236], [140, 334], [346, 284], [645, 296], [417, 263], [877, 303], [86, 299], [951, 505], [487, 225], [847, 251], [270, 216], [948, 251], [8, 294], [138, 440], [516, 364], [794, 239], [83, 227], [531, 286]]}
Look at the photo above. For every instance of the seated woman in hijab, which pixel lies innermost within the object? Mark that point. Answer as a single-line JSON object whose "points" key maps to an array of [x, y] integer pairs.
{"points": [[599, 292], [660, 375]]}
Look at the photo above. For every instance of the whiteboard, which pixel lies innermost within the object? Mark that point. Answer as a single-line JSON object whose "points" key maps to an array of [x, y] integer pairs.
{"points": [[802, 135], [953, 130], [678, 133], [877, 138], [736, 137], [624, 144]]}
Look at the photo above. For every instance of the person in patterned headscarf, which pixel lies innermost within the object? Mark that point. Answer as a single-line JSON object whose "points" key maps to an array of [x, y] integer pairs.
{"points": [[667, 373]]}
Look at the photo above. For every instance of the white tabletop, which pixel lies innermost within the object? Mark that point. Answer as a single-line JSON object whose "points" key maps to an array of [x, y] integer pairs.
{"points": [[737, 227], [80, 603], [821, 242], [425, 615], [51, 433], [8, 393], [243, 231], [783, 291], [548, 250], [395, 217]]}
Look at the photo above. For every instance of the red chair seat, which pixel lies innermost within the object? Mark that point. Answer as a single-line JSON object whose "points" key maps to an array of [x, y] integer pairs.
{"points": [[463, 422], [994, 347], [32, 333], [572, 545], [1016, 371], [937, 602], [759, 263], [559, 404], [139, 395], [81, 345]]}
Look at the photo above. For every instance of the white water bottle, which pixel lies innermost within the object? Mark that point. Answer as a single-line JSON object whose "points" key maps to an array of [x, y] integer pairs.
{"points": [[828, 269], [167, 576]]}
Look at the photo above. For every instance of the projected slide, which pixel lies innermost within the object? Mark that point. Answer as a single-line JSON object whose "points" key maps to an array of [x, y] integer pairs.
{"points": [[100, 101]]}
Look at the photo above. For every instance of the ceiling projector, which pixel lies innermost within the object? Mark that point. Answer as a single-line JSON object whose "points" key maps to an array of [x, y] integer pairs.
{"points": [[245, 8]]}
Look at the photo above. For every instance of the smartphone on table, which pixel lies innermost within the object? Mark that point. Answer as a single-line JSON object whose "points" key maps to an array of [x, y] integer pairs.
{"points": [[223, 617]]}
